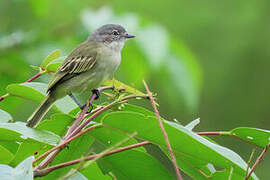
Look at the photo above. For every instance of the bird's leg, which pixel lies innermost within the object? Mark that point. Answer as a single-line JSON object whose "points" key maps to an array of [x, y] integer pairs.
{"points": [[76, 101], [96, 92]]}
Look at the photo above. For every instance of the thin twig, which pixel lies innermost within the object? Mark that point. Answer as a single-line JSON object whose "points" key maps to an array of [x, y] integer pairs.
{"points": [[249, 161], [52, 155], [178, 174], [43, 172], [4, 96], [78, 129], [258, 160], [83, 165], [84, 111], [64, 143], [35, 76], [29, 80], [227, 133], [209, 133]]}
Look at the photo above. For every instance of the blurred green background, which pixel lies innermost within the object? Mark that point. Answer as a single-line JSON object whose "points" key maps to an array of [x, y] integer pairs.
{"points": [[207, 59]]}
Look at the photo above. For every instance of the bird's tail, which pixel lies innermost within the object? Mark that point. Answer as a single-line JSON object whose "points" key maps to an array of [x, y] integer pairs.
{"points": [[40, 112]]}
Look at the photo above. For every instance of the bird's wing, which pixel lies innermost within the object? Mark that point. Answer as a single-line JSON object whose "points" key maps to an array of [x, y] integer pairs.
{"points": [[81, 59]]}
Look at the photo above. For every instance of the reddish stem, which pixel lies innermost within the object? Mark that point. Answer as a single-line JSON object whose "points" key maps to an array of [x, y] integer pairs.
{"points": [[34, 77], [258, 160], [43, 172], [29, 80], [209, 133], [2, 98], [178, 174], [64, 143]]}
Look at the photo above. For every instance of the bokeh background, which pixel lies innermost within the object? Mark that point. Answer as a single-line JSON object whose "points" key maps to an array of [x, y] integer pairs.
{"points": [[207, 59]]}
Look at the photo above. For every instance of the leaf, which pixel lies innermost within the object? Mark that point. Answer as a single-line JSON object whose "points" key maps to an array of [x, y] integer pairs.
{"points": [[55, 64], [185, 72], [94, 172], [28, 148], [35, 67], [134, 164], [190, 126], [128, 164], [36, 91], [119, 85], [58, 123], [77, 176], [5, 116], [23, 171], [76, 149], [256, 136], [18, 131], [5, 155], [134, 108], [192, 151], [53, 55]]}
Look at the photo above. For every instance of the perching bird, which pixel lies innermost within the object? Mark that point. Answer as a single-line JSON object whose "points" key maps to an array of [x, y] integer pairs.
{"points": [[86, 67]]}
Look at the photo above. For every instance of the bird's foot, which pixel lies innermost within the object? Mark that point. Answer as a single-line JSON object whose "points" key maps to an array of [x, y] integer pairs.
{"points": [[96, 92], [89, 109]]}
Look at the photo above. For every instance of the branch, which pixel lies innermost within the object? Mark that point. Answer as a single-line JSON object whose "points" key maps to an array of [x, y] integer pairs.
{"points": [[64, 143], [4, 96], [43, 172], [52, 155], [35, 76], [29, 80], [84, 111], [178, 174], [78, 129], [209, 133], [226, 133], [258, 160]]}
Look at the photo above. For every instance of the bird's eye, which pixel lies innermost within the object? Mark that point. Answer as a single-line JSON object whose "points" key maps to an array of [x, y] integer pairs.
{"points": [[116, 33]]}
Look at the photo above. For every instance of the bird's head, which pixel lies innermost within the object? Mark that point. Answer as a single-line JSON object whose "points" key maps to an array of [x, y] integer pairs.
{"points": [[111, 34]]}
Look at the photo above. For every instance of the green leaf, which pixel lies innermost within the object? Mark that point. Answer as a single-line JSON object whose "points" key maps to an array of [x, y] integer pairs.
{"points": [[55, 64], [53, 55], [119, 85], [36, 91], [77, 176], [185, 72], [23, 171], [76, 149], [134, 164], [128, 164], [58, 123], [94, 172], [5, 116], [192, 124], [256, 136], [19, 131], [53, 67], [134, 108], [5, 155], [192, 151], [28, 148], [35, 67]]}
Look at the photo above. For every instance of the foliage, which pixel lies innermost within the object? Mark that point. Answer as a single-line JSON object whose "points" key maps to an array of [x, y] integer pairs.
{"points": [[234, 85], [196, 156]]}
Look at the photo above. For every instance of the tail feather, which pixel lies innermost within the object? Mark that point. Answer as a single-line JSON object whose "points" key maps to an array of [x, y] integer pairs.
{"points": [[40, 112]]}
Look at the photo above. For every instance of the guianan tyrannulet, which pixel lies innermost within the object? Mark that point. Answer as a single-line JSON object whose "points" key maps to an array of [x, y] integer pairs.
{"points": [[85, 68]]}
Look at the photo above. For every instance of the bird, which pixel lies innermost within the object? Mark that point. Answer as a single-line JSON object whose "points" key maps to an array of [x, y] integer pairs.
{"points": [[88, 65]]}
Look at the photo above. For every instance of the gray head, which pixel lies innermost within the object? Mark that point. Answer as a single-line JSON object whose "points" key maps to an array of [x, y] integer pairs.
{"points": [[110, 33]]}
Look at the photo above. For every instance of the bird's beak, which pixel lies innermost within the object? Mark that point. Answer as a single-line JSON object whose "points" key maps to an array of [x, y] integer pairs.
{"points": [[129, 36]]}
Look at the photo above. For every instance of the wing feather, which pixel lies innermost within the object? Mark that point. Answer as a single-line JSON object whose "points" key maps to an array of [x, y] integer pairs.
{"points": [[82, 59]]}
